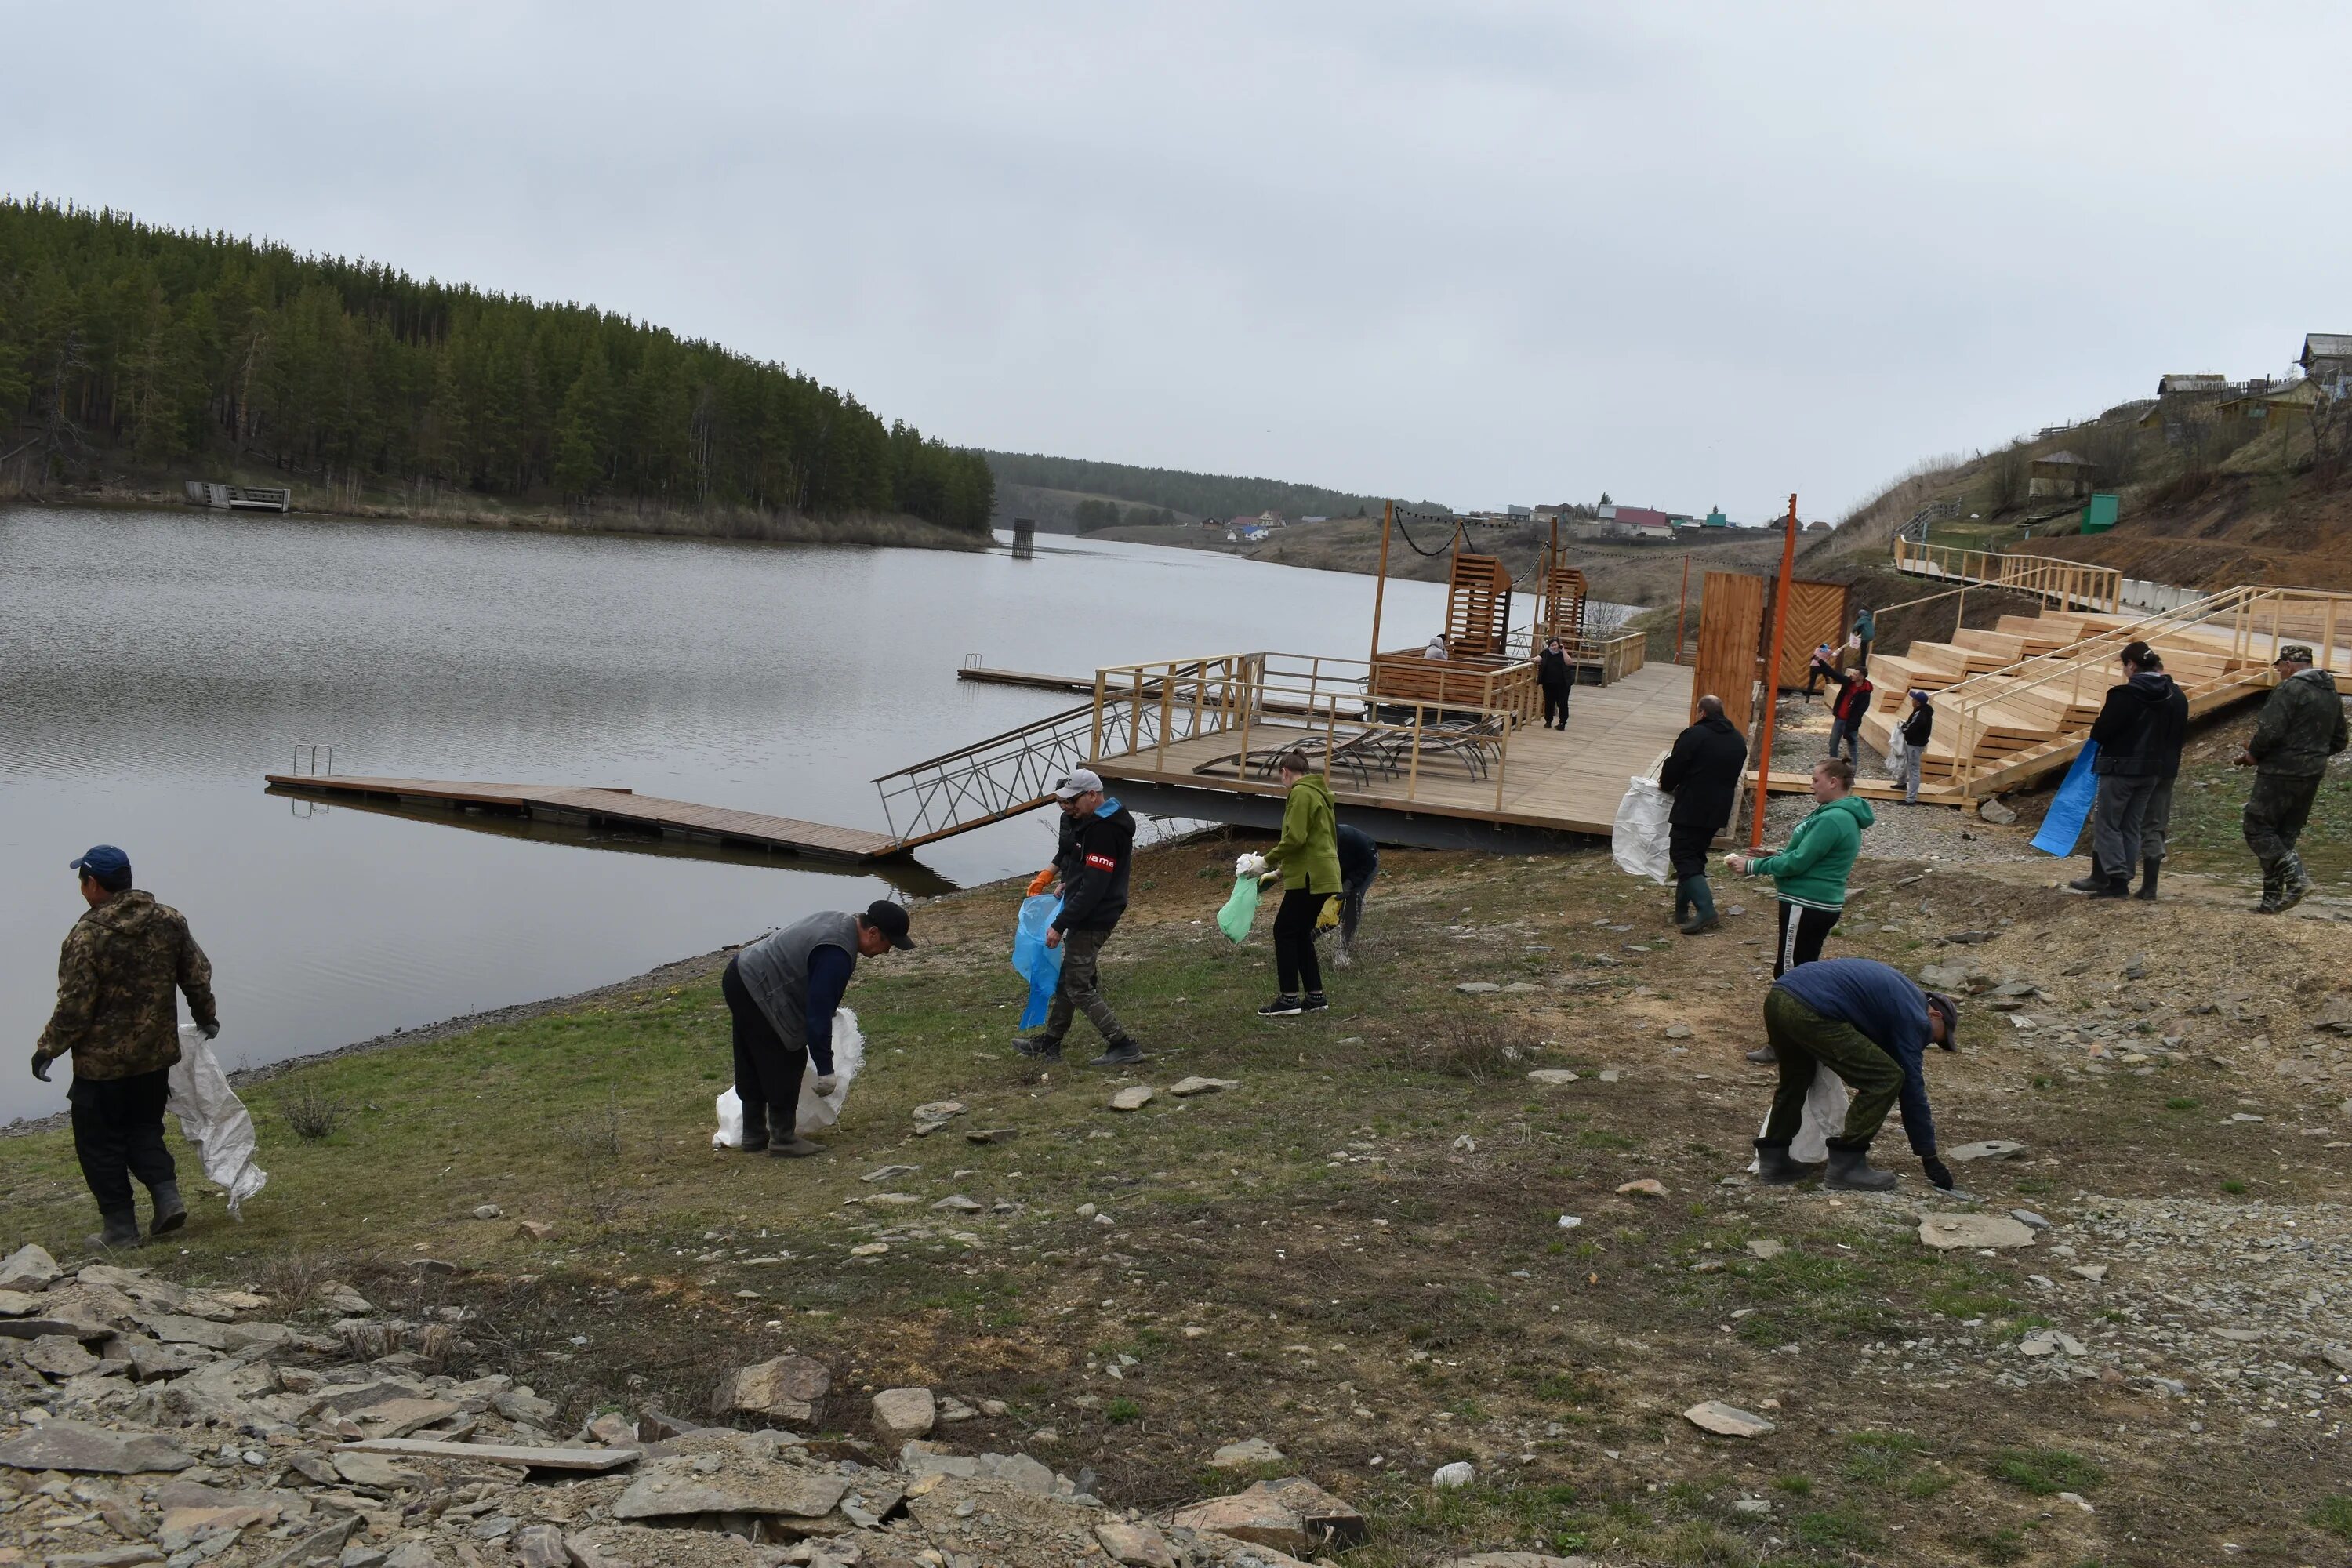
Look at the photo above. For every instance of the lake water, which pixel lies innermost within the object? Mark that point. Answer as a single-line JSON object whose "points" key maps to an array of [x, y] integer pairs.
{"points": [[154, 665]]}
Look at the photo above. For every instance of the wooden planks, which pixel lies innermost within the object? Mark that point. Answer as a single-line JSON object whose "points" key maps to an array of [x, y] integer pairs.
{"points": [[590, 1461], [1478, 605], [987, 677], [648, 813], [1816, 616], [1730, 636]]}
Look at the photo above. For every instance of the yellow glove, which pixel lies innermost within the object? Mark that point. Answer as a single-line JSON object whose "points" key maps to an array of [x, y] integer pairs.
{"points": [[1330, 915]]}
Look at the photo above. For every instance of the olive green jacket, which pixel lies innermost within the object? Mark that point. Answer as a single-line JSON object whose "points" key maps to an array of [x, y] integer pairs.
{"points": [[2301, 726], [1308, 853]]}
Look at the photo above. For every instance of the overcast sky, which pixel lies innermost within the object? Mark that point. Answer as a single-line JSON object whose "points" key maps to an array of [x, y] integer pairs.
{"points": [[1691, 255]]}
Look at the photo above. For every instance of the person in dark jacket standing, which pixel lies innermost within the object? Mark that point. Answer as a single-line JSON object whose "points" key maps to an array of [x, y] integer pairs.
{"points": [[1702, 772], [2140, 731], [787, 987], [2300, 727], [1855, 692], [1917, 725], [1870, 1025], [1360, 862], [1555, 677], [116, 1017], [1097, 847], [1866, 632]]}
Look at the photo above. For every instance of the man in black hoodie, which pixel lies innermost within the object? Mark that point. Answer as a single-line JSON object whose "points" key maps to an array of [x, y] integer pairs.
{"points": [[1554, 676], [1702, 774], [1097, 844], [2139, 732]]}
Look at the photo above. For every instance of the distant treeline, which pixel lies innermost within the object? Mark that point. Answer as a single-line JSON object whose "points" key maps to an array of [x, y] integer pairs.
{"points": [[1175, 489], [117, 337]]}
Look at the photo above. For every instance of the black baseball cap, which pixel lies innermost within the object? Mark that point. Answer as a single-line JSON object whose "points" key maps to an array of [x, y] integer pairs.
{"points": [[890, 919], [1952, 1012]]}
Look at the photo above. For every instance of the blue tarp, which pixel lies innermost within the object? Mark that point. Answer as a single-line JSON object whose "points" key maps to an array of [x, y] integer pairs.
{"points": [[1040, 965], [2061, 825]]}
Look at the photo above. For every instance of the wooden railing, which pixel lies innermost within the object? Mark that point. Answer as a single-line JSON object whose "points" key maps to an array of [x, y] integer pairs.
{"points": [[2069, 584], [1615, 655], [1266, 704]]}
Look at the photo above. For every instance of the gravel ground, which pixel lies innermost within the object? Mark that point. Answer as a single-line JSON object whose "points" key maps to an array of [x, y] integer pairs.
{"points": [[1936, 833]]}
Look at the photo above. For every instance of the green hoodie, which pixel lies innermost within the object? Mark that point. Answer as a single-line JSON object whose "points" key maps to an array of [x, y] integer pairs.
{"points": [[1308, 853], [1812, 871]]}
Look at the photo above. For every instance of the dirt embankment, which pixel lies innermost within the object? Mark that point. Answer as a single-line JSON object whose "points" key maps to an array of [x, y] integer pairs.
{"points": [[2209, 529]]}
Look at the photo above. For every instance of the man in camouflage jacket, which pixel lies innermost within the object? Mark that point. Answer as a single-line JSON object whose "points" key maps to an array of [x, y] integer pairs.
{"points": [[2300, 727], [116, 1017]]}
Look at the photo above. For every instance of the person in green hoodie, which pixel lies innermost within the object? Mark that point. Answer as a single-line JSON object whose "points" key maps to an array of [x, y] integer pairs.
{"points": [[1309, 854], [1809, 875]]}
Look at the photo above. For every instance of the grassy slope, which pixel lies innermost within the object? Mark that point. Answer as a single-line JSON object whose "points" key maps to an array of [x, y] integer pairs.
{"points": [[1355, 1253]]}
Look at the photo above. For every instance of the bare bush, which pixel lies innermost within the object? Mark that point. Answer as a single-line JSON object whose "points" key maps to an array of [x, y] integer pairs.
{"points": [[311, 1110], [1472, 1045], [594, 1143]]}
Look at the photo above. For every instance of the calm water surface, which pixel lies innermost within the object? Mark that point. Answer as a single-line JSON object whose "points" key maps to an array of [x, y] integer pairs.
{"points": [[154, 665]]}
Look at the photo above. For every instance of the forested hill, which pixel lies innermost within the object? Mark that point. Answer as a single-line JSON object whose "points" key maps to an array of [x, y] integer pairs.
{"points": [[1176, 489], [122, 342]]}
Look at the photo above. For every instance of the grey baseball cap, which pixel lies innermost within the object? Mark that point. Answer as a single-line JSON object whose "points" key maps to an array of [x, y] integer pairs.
{"points": [[1078, 781]]}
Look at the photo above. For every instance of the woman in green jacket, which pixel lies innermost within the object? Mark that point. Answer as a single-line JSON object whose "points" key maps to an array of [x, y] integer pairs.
{"points": [[1309, 854], [1809, 875]]}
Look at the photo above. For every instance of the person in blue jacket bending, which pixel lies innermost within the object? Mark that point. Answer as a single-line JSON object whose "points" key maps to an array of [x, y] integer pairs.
{"points": [[1870, 1024]]}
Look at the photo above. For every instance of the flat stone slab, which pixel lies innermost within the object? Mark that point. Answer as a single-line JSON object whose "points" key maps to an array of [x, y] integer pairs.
{"points": [[900, 1414], [591, 1461], [635, 1546], [1765, 1249], [1137, 1545], [1134, 1096], [178, 1329], [788, 1388], [29, 1267], [85, 1449], [1187, 1087], [1728, 1420], [1553, 1078], [1247, 1452], [379, 1470], [1947, 1231], [1990, 1149], [737, 1483]]}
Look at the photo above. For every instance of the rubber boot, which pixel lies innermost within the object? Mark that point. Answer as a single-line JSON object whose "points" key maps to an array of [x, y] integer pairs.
{"points": [[1764, 1056], [2094, 883], [2273, 887], [1775, 1169], [2147, 870], [2116, 887], [121, 1231], [755, 1128], [798, 1147], [171, 1214], [2297, 883], [1122, 1053], [1852, 1172], [1038, 1047]]}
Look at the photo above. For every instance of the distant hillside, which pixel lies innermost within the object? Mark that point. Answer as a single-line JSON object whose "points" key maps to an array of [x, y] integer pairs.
{"points": [[1177, 491], [128, 348]]}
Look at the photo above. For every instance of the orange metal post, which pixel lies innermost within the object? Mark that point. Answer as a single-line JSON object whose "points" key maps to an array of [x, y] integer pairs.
{"points": [[1772, 679]]}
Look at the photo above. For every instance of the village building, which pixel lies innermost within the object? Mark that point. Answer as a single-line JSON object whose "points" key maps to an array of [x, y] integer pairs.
{"points": [[2060, 476]]}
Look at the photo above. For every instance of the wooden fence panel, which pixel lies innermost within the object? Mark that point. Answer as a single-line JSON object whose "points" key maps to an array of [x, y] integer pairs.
{"points": [[1730, 636], [1478, 605], [1816, 616], [1562, 611]]}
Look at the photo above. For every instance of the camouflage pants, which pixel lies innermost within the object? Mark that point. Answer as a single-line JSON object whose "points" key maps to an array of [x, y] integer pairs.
{"points": [[1080, 990], [2275, 813]]}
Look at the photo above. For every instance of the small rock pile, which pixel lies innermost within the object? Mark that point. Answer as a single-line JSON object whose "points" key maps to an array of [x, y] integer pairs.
{"points": [[146, 1421]]}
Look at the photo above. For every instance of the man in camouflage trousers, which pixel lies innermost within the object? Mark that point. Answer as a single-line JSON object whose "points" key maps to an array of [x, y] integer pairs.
{"points": [[2300, 727], [116, 1016]]}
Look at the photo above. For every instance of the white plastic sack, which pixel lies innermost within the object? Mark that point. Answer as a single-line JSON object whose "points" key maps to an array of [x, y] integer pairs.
{"points": [[1639, 840], [817, 1110], [213, 1120], [1250, 865], [1898, 749], [1824, 1116]]}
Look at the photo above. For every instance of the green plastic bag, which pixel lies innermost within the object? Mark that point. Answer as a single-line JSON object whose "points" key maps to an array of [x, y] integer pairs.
{"points": [[1241, 909]]}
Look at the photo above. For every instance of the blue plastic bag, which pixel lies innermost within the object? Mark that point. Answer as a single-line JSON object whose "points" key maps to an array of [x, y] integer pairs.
{"points": [[2062, 825], [1040, 965]]}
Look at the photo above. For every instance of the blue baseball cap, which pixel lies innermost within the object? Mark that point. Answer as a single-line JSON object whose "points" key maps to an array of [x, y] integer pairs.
{"points": [[101, 862]]}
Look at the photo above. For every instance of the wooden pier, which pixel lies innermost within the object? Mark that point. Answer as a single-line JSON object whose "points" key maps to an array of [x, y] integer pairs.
{"points": [[986, 676], [611, 807]]}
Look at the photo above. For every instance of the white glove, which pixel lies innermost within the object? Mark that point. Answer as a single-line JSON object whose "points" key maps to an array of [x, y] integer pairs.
{"points": [[825, 1084], [1250, 865]]}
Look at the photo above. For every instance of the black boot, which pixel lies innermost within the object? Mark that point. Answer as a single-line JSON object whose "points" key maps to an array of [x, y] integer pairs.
{"points": [[1038, 1047], [1852, 1172], [1775, 1169], [2095, 882], [1122, 1053], [2147, 869], [755, 1128], [121, 1231], [2297, 883], [171, 1214], [1763, 1055], [2273, 887], [2116, 887]]}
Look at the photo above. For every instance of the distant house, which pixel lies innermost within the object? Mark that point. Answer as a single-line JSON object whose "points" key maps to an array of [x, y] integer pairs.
{"points": [[2327, 360], [2270, 405], [2202, 384], [1647, 530], [1639, 517], [1246, 530], [1821, 525], [1519, 513], [1715, 517], [2061, 476], [1314, 520]]}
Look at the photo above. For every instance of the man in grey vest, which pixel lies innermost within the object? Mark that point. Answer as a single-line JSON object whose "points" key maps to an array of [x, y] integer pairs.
{"points": [[783, 991]]}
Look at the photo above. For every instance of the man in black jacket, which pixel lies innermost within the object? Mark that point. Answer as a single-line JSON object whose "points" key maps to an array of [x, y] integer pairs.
{"points": [[1554, 676], [1702, 774], [2139, 732], [1098, 843]]}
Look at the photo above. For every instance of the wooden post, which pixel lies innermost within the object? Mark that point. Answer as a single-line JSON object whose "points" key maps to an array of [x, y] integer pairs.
{"points": [[1167, 701], [1772, 678], [1412, 773], [1380, 581], [1681, 610], [1094, 747]]}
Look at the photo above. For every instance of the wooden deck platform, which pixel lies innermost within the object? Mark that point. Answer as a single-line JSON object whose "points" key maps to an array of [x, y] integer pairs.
{"points": [[982, 674], [615, 807], [1560, 780]]}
